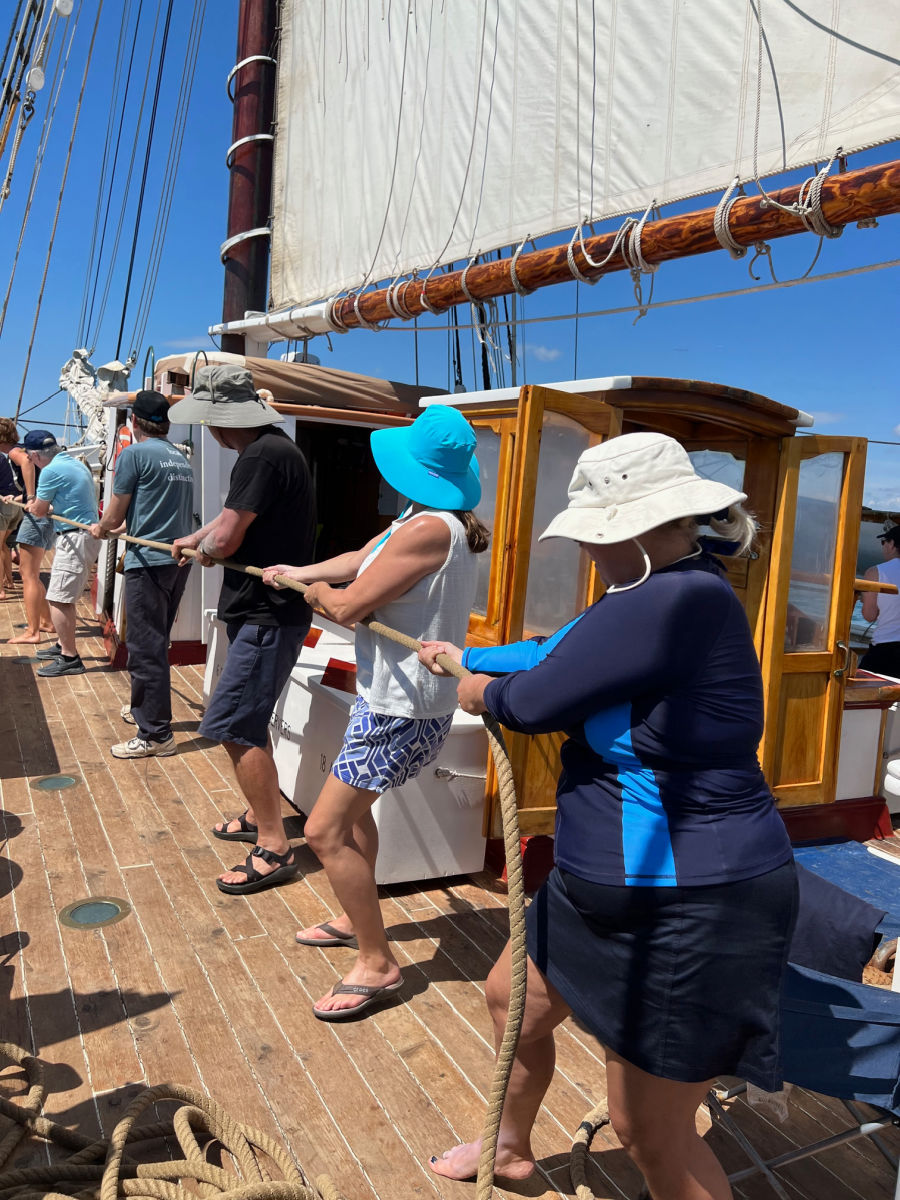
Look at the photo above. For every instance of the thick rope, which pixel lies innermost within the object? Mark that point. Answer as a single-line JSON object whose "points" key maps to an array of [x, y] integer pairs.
{"points": [[515, 877], [102, 1170]]}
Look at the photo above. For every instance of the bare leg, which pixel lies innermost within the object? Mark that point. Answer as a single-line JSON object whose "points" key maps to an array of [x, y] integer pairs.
{"points": [[331, 831], [64, 623], [37, 612], [365, 836], [6, 575], [531, 1074], [656, 1121], [257, 777]]}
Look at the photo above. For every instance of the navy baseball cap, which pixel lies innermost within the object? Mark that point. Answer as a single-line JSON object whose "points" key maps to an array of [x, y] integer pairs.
{"points": [[39, 439], [891, 535], [151, 406]]}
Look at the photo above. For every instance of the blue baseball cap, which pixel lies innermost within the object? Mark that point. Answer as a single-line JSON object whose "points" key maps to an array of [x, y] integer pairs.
{"points": [[432, 461], [39, 439]]}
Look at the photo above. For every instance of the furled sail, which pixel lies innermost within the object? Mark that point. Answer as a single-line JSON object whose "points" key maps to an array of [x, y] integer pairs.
{"points": [[414, 135]]}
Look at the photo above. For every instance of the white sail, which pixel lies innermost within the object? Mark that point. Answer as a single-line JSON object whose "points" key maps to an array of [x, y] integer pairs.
{"points": [[422, 133]]}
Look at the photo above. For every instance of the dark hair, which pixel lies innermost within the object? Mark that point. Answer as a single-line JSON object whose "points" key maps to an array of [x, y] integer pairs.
{"points": [[150, 428], [8, 430], [477, 533]]}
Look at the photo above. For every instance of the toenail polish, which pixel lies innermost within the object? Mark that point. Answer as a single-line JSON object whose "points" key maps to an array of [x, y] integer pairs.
{"points": [[434, 1158]]}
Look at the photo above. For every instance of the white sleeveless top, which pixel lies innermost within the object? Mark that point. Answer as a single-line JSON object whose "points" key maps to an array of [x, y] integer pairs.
{"points": [[887, 628], [389, 677]]}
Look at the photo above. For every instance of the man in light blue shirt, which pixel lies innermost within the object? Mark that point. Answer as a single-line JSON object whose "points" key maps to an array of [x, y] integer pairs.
{"points": [[65, 488]]}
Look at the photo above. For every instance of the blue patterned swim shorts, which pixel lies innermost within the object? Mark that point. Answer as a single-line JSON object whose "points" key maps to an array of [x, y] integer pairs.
{"points": [[381, 752]]}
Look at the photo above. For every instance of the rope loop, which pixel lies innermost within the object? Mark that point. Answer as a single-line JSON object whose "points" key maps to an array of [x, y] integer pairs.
{"points": [[334, 322], [513, 273], [375, 326], [762, 250], [633, 254], [720, 220], [394, 301], [809, 202], [462, 280], [425, 302]]}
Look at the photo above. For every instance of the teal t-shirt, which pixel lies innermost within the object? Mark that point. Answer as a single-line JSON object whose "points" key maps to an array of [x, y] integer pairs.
{"points": [[69, 486], [160, 482]]}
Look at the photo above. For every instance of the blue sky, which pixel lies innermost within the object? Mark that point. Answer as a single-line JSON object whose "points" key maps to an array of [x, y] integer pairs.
{"points": [[829, 348]]}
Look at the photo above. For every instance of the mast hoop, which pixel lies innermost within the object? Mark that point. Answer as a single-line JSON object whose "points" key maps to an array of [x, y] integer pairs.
{"points": [[394, 301], [251, 137], [513, 273], [230, 243], [243, 63], [720, 221]]}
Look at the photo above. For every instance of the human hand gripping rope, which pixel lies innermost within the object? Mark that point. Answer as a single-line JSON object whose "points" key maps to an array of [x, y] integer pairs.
{"points": [[511, 838]]}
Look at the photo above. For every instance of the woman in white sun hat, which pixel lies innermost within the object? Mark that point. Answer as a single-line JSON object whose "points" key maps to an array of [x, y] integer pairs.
{"points": [[665, 924], [418, 578]]}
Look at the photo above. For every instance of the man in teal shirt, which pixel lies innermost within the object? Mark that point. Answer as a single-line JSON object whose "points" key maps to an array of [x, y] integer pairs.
{"points": [[153, 491], [65, 488]]}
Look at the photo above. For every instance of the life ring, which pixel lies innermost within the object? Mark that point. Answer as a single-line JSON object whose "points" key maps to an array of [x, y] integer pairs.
{"points": [[124, 438]]}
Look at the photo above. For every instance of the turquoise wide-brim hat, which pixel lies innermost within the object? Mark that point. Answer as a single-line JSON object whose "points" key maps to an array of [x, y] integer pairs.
{"points": [[431, 462]]}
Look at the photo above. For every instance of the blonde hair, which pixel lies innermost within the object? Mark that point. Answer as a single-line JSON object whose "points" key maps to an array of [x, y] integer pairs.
{"points": [[737, 525]]}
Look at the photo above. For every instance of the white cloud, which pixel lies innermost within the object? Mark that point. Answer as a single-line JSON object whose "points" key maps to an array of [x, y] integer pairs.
{"points": [[200, 342], [544, 353]]}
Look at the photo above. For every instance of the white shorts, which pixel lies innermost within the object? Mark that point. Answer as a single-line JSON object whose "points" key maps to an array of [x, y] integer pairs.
{"points": [[76, 553]]}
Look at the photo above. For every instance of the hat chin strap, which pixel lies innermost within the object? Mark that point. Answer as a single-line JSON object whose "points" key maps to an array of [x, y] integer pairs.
{"points": [[627, 587]]}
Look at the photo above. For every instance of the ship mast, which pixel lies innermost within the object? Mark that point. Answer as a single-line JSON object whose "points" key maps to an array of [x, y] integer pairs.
{"points": [[245, 251]]}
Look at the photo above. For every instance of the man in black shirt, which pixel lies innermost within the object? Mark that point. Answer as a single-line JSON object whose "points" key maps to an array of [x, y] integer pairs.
{"points": [[269, 516]]}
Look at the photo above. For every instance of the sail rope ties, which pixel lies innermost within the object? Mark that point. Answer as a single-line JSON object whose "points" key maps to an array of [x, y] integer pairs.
{"points": [[638, 265], [513, 273], [515, 888], [104, 1169]]}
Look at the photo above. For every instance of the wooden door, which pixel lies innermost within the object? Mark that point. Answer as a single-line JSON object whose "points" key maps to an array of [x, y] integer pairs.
{"points": [[541, 585], [807, 616]]}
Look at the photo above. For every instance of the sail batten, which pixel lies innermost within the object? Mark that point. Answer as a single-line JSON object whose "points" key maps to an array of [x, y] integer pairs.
{"points": [[452, 129]]}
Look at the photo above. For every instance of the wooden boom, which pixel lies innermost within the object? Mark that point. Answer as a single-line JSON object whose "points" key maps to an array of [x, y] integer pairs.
{"points": [[847, 197]]}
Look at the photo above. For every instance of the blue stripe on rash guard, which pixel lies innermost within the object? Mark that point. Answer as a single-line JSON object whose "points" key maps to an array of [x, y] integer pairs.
{"points": [[517, 656], [647, 852]]}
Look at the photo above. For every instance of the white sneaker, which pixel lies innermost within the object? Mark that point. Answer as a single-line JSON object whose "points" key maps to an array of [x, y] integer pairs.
{"points": [[125, 714], [139, 747]]}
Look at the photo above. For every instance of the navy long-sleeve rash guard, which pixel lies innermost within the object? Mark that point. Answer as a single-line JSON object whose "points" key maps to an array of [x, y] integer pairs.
{"points": [[660, 693]]}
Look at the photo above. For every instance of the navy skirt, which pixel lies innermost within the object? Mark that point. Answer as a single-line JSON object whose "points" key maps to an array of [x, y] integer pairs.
{"points": [[683, 982]]}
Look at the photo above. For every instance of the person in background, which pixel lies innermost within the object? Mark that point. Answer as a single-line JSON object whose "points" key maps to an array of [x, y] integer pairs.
{"points": [[883, 656], [152, 497], [269, 510], [65, 488], [666, 922], [10, 512], [419, 578], [33, 536]]}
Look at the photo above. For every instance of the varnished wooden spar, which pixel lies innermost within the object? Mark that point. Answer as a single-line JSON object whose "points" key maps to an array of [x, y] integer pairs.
{"points": [[849, 197]]}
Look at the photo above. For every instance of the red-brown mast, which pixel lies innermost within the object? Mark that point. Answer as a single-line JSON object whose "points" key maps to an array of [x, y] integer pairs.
{"points": [[246, 250]]}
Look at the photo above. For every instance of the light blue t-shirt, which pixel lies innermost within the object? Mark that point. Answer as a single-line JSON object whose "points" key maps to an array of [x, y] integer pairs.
{"points": [[69, 486], [160, 482]]}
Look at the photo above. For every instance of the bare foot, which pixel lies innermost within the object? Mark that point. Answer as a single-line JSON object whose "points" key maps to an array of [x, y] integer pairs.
{"points": [[462, 1163], [359, 975], [30, 639], [47, 629]]}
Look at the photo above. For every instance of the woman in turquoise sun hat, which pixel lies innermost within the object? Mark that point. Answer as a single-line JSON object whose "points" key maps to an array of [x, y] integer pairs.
{"points": [[418, 578]]}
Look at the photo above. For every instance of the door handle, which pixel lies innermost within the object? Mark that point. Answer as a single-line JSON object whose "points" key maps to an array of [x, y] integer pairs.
{"points": [[840, 672]]}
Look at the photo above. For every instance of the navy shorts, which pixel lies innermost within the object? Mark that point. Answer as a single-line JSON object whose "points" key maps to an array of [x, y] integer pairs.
{"points": [[259, 664]]}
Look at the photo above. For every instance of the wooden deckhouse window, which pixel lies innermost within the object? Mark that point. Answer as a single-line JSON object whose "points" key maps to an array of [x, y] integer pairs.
{"points": [[812, 560]]}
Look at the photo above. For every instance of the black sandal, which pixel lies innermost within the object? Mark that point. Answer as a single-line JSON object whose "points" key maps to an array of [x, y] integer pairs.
{"points": [[255, 882], [246, 832]]}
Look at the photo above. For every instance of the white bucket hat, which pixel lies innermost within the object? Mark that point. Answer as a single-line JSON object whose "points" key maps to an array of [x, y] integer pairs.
{"points": [[631, 484]]}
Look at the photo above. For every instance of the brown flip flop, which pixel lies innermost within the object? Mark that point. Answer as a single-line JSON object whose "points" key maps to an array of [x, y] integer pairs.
{"points": [[335, 938], [373, 997]]}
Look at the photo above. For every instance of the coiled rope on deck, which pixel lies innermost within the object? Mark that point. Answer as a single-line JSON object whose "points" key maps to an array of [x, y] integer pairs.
{"points": [[103, 1169], [514, 873]]}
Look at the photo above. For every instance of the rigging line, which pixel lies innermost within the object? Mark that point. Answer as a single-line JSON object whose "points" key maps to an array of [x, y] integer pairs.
{"points": [[57, 83], [21, 52], [629, 308], [120, 223], [39, 404], [9, 40], [154, 256], [114, 109], [62, 188], [146, 169]]}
